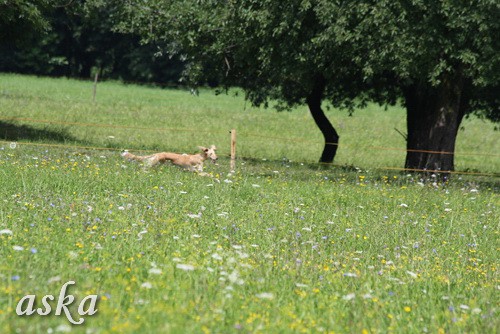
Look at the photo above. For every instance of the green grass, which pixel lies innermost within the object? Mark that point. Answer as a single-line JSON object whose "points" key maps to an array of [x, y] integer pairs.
{"points": [[278, 247], [177, 120]]}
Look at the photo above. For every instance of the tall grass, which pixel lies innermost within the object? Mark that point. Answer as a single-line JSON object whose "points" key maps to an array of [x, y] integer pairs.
{"points": [[279, 246]]}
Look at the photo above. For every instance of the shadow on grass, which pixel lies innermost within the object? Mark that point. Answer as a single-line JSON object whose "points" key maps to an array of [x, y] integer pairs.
{"points": [[15, 132]]}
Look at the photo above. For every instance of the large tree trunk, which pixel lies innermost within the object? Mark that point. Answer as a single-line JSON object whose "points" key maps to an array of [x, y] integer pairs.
{"points": [[331, 136], [434, 115]]}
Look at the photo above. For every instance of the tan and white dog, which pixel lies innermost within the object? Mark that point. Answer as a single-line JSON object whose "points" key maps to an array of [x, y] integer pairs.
{"points": [[191, 162]]}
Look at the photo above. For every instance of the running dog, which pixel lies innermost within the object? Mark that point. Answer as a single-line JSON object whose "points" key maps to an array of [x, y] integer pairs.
{"points": [[191, 162]]}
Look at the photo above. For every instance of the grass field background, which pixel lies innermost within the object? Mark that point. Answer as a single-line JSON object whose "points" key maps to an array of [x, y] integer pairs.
{"points": [[279, 246], [177, 120]]}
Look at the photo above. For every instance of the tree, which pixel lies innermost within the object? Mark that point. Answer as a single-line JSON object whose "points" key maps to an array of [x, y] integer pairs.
{"points": [[441, 58]]}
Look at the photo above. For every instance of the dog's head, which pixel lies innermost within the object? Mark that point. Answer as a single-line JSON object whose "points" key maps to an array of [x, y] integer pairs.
{"points": [[209, 153]]}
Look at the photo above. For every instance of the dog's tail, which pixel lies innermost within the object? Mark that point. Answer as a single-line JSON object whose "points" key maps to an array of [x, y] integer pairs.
{"points": [[127, 155]]}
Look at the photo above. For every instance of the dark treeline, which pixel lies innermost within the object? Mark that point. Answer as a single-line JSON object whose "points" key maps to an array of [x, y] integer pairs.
{"points": [[78, 44]]}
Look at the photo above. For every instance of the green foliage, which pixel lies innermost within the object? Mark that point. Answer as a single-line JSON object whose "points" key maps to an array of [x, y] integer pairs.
{"points": [[366, 50], [420, 43], [79, 42], [20, 19]]}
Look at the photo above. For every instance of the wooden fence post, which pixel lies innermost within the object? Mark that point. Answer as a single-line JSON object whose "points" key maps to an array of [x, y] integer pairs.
{"points": [[233, 150], [95, 86]]}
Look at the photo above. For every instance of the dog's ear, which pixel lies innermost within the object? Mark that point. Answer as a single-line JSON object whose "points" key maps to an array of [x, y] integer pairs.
{"points": [[204, 149], [213, 147]]}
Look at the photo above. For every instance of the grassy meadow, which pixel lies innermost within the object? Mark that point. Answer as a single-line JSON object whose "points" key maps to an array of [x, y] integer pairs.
{"points": [[282, 245]]}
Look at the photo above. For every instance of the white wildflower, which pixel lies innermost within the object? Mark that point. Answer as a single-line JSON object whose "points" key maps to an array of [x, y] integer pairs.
{"points": [[217, 257], [265, 295], [350, 275], [155, 271], [146, 285], [185, 267], [412, 274], [54, 279], [349, 296]]}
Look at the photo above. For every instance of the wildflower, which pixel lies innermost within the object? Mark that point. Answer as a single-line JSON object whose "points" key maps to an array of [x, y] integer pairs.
{"points": [[15, 278], [407, 309], [64, 328], [146, 285], [139, 235], [155, 271], [265, 295], [412, 274], [349, 296], [53, 279], [6, 231], [33, 251], [17, 248], [217, 257], [350, 275], [185, 267]]}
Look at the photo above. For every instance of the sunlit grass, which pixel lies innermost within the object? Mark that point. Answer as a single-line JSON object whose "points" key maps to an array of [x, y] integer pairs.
{"points": [[278, 247], [137, 117]]}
